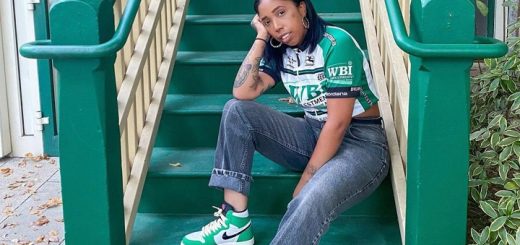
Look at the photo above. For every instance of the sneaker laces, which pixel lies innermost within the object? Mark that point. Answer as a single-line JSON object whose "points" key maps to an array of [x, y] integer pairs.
{"points": [[216, 224]]}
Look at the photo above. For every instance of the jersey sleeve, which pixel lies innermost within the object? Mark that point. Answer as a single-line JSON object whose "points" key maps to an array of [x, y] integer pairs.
{"points": [[344, 68], [269, 69]]}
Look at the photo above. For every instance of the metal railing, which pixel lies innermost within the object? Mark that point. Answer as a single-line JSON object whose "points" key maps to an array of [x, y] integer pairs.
{"points": [[145, 42], [386, 26]]}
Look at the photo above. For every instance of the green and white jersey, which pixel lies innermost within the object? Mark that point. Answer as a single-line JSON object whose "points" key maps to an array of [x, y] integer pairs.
{"points": [[337, 68]]}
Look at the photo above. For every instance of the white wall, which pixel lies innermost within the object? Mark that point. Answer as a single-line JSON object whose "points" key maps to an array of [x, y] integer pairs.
{"points": [[5, 136], [21, 78]]}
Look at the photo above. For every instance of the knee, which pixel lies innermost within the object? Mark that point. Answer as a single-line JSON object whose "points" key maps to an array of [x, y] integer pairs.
{"points": [[315, 200], [307, 202], [235, 106]]}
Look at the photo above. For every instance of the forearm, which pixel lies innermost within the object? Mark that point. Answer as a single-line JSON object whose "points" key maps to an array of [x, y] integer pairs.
{"points": [[329, 141], [248, 84]]}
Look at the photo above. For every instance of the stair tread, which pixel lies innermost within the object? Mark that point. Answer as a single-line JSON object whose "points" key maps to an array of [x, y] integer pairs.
{"points": [[169, 229], [214, 57], [246, 18], [199, 162], [214, 103]]}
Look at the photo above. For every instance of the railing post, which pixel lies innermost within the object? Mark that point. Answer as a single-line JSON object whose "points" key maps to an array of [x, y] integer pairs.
{"points": [[438, 142], [88, 122]]}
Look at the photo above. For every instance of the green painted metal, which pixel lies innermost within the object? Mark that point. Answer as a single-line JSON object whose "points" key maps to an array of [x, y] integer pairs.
{"points": [[47, 49], [89, 133], [200, 28], [438, 139], [232, 7], [482, 47], [491, 18], [45, 78], [360, 230], [188, 184]]}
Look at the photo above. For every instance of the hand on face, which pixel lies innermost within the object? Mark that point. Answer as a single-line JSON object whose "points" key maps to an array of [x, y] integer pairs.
{"points": [[259, 27]]}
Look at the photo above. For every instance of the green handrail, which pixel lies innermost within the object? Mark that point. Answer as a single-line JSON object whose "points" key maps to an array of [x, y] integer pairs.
{"points": [[44, 49], [483, 47]]}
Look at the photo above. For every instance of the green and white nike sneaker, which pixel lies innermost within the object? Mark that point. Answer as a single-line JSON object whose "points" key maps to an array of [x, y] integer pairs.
{"points": [[228, 228]]}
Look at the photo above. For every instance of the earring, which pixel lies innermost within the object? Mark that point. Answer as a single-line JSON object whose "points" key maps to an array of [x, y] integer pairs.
{"points": [[275, 46], [305, 22]]}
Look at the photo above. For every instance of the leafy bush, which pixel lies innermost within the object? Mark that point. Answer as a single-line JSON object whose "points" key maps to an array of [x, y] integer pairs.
{"points": [[495, 146]]}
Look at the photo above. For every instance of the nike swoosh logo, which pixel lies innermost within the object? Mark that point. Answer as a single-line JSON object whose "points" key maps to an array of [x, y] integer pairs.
{"points": [[225, 236]]}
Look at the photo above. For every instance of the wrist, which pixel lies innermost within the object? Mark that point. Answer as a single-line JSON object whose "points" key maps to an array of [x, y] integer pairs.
{"points": [[263, 36], [310, 170]]}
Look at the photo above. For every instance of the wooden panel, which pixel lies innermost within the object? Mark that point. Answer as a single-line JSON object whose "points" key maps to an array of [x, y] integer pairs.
{"points": [[381, 64], [135, 68], [153, 115]]}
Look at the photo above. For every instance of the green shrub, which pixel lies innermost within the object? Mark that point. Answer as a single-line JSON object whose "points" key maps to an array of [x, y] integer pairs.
{"points": [[494, 170]]}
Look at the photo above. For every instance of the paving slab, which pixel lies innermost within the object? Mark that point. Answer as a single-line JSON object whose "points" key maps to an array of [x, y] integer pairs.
{"points": [[39, 217], [19, 179], [25, 190]]}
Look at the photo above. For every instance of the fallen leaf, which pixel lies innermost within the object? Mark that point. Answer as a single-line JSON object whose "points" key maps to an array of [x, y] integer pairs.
{"points": [[7, 196], [289, 100], [6, 171], [18, 242], [9, 225], [176, 165], [15, 184], [36, 212], [8, 211], [52, 161], [41, 221], [22, 164], [40, 239], [54, 236], [51, 203], [59, 220]]}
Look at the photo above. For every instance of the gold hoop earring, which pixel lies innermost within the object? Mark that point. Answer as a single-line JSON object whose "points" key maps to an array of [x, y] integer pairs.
{"points": [[274, 46], [306, 23]]}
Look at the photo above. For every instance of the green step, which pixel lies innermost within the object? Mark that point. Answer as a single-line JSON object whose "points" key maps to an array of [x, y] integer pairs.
{"points": [[217, 7], [156, 229], [209, 72], [192, 120], [184, 190], [233, 32]]}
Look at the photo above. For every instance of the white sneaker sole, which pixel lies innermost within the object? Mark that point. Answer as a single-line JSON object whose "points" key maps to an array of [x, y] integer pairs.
{"points": [[250, 242]]}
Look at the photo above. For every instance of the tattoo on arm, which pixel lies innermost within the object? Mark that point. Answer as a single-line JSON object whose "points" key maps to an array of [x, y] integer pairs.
{"points": [[256, 77], [248, 68], [242, 75]]}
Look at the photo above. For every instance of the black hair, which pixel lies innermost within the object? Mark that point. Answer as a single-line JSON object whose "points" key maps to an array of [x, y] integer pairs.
{"points": [[314, 35]]}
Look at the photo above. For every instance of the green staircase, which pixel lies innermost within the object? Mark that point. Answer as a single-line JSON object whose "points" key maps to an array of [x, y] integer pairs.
{"points": [[176, 199]]}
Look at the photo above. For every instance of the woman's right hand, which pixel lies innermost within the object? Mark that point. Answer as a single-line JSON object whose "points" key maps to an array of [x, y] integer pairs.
{"points": [[257, 25]]}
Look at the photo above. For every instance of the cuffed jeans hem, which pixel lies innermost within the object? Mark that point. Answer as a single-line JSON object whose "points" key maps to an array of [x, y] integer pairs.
{"points": [[225, 179]]}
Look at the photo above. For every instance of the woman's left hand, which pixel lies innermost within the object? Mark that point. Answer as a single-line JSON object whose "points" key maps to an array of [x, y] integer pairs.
{"points": [[303, 180]]}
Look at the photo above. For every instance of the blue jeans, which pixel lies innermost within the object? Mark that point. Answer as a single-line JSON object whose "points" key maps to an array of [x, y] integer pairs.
{"points": [[357, 169]]}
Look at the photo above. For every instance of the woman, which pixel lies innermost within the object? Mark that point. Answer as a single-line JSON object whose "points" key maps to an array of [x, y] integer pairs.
{"points": [[340, 145]]}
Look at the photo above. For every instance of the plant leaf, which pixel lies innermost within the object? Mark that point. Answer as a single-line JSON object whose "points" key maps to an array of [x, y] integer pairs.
{"points": [[516, 149], [475, 235], [488, 209], [507, 141], [504, 193], [484, 236], [511, 133], [511, 186], [498, 223], [482, 8], [502, 170], [505, 153], [495, 138]]}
